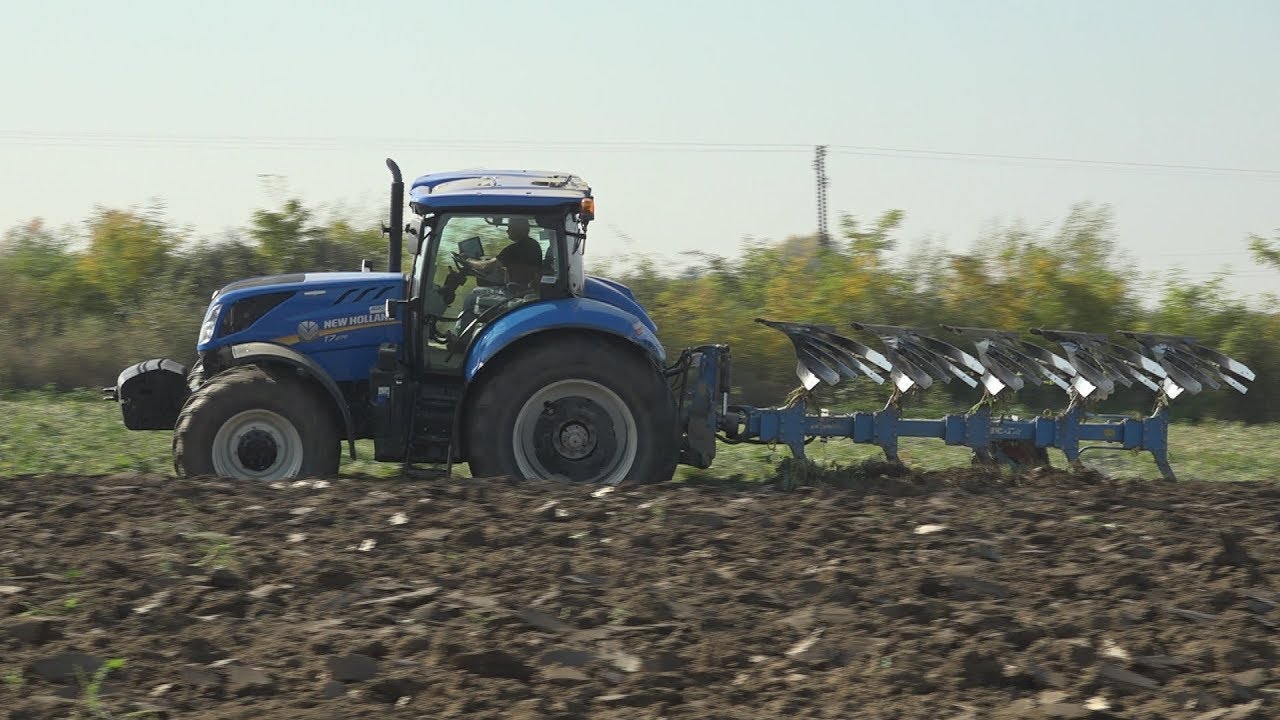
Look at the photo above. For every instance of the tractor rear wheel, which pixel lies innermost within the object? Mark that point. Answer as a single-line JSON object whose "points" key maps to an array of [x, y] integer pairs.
{"points": [[253, 424], [580, 408]]}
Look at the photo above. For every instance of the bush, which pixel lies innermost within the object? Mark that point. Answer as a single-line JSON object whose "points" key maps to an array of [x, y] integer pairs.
{"points": [[138, 290]]}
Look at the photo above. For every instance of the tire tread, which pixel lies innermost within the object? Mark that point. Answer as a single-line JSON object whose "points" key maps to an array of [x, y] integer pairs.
{"points": [[226, 387]]}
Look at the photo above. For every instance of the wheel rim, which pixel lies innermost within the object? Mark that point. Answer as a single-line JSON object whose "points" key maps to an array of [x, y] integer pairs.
{"points": [[575, 430], [257, 445]]}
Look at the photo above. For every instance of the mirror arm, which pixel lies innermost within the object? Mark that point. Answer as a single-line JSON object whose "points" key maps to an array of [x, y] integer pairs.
{"points": [[389, 306]]}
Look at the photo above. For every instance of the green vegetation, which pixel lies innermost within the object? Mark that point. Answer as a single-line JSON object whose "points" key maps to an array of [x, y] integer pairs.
{"points": [[47, 432], [91, 694], [76, 313], [43, 432], [1073, 276], [69, 605], [72, 315], [1210, 450], [216, 554], [77, 433]]}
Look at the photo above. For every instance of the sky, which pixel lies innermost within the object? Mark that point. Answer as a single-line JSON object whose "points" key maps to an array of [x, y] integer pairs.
{"points": [[694, 121]]}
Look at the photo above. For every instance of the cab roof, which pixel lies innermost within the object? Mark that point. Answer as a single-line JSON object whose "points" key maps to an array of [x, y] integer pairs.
{"points": [[462, 189]]}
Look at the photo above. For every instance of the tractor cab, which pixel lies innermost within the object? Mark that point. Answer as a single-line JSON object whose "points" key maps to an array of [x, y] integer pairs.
{"points": [[485, 243], [496, 291]]}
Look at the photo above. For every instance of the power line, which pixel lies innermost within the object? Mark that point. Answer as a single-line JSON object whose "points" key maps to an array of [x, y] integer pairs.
{"points": [[265, 142], [339, 143], [1236, 270], [876, 151], [1202, 253]]}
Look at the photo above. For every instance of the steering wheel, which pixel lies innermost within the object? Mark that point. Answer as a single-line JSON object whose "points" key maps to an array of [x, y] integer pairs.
{"points": [[464, 269], [455, 278]]}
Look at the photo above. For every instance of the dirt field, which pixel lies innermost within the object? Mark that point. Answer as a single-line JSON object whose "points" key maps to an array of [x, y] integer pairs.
{"points": [[939, 596]]}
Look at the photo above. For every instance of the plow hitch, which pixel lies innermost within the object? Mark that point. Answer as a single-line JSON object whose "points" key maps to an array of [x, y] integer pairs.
{"points": [[1086, 367]]}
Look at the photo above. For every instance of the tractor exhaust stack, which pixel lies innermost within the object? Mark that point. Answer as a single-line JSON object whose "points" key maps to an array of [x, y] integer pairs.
{"points": [[395, 231]]}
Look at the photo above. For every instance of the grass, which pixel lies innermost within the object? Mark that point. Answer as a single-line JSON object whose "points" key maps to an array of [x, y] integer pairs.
{"points": [[69, 605], [92, 688], [75, 433], [216, 554], [1209, 450]]}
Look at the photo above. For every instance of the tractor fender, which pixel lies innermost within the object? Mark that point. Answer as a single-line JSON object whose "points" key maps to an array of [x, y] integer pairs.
{"points": [[562, 314], [251, 352]]}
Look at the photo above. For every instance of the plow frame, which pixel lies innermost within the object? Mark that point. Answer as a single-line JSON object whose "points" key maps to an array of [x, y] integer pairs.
{"points": [[912, 360], [980, 431]]}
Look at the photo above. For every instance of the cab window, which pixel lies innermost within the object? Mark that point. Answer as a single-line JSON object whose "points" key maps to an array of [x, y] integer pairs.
{"points": [[484, 265]]}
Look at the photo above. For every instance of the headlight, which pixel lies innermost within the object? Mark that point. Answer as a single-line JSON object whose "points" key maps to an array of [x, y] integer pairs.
{"points": [[210, 322], [243, 313]]}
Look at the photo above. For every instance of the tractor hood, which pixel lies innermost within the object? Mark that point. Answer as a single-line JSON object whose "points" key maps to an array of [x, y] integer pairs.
{"points": [[315, 313], [319, 280]]}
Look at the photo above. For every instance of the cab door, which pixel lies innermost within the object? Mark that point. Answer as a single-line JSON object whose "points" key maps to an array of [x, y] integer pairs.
{"points": [[458, 302], [395, 380]]}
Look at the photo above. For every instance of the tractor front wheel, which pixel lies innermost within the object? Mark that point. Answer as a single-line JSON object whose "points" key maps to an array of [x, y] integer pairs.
{"points": [[579, 408], [252, 424]]}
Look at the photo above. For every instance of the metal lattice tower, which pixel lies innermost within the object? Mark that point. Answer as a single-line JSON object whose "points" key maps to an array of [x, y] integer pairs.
{"points": [[820, 167]]}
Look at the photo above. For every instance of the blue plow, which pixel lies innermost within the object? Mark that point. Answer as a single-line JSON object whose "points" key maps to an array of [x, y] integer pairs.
{"points": [[1088, 368]]}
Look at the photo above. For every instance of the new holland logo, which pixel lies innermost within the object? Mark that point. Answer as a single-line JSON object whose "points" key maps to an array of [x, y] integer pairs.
{"points": [[308, 330]]}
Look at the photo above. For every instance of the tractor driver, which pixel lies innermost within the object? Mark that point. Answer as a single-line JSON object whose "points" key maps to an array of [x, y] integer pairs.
{"points": [[522, 259]]}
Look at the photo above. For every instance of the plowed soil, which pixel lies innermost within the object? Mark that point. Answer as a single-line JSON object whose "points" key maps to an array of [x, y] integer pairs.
{"points": [[939, 596]]}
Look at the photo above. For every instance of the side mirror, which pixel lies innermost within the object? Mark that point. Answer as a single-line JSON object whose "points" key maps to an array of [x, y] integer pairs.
{"points": [[413, 243]]}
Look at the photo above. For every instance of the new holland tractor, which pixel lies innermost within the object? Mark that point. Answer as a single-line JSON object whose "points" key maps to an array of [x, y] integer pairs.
{"points": [[496, 349]]}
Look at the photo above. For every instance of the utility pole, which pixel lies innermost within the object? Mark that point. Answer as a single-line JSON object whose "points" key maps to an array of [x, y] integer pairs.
{"points": [[820, 167]]}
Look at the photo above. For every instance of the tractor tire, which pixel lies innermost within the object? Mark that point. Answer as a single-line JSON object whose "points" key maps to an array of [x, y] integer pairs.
{"points": [[250, 423], [582, 408]]}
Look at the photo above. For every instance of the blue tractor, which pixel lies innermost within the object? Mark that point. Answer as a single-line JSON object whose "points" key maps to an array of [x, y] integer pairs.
{"points": [[497, 349]]}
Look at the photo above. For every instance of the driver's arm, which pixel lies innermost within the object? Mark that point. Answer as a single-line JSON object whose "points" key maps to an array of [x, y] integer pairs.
{"points": [[491, 269], [483, 264]]}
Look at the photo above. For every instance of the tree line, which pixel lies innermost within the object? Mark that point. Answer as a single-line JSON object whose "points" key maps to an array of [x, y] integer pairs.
{"points": [[78, 305]]}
